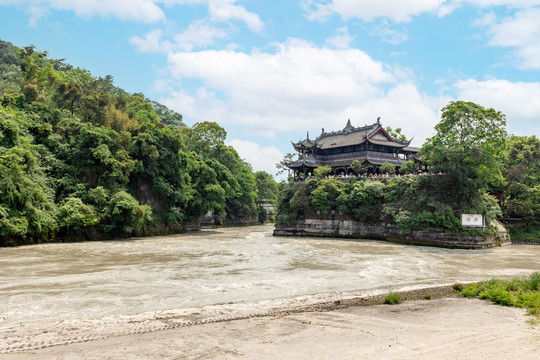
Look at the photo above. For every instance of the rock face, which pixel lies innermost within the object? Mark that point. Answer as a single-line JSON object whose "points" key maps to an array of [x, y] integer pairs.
{"points": [[338, 227]]}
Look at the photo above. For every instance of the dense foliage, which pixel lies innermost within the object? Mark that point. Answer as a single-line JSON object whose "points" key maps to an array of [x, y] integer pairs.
{"points": [[409, 202], [468, 146], [484, 171], [521, 293], [77, 152], [471, 146]]}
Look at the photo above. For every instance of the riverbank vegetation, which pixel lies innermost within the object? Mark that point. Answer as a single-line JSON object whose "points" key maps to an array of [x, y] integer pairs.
{"points": [[81, 156], [409, 202], [521, 293]]}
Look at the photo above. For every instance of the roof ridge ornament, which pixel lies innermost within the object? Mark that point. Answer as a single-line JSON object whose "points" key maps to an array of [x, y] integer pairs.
{"points": [[379, 121], [348, 127]]}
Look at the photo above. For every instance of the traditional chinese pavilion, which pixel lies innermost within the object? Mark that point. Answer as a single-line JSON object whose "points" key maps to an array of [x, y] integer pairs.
{"points": [[371, 145]]}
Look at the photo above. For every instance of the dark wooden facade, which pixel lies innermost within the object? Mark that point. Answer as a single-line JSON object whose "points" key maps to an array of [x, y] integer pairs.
{"points": [[371, 145]]}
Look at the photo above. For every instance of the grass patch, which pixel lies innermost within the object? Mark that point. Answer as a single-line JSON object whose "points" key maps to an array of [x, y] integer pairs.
{"points": [[521, 293], [392, 298], [427, 297]]}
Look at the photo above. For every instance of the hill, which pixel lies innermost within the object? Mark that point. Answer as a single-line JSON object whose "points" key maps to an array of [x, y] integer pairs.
{"points": [[81, 158]]}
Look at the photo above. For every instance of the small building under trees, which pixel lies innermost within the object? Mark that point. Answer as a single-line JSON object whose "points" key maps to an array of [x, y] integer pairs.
{"points": [[352, 150]]}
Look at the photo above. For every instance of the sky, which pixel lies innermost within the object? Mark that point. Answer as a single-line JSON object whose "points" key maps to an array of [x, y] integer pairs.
{"points": [[271, 71]]}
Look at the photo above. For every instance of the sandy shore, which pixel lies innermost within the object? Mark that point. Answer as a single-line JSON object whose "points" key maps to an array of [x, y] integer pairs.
{"points": [[306, 328]]}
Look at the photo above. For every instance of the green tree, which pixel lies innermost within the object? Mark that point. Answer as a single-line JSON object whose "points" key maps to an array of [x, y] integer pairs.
{"points": [[74, 215], [387, 168], [26, 199], [363, 200], [408, 167], [396, 134], [323, 198], [126, 214], [322, 171], [168, 116], [282, 165], [522, 160], [468, 144], [522, 177], [357, 167], [266, 186], [208, 134]]}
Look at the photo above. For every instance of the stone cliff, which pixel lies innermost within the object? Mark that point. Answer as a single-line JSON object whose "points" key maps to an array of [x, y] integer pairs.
{"points": [[339, 226]]}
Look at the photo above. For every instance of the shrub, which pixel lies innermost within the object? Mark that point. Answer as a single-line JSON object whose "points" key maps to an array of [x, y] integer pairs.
{"points": [[75, 215], [357, 167], [470, 291], [322, 171], [392, 298], [512, 285], [533, 281], [498, 295], [408, 167], [387, 168], [323, 198], [126, 214], [518, 293]]}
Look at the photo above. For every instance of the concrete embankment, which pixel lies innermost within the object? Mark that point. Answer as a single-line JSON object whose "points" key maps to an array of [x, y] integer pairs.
{"points": [[338, 227]]}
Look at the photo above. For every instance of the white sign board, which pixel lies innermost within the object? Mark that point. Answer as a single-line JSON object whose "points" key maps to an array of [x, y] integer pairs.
{"points": [[472, 220]]}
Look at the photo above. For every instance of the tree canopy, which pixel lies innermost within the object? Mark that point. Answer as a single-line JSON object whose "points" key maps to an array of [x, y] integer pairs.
{"points": [[77, 152], [468, 144]]}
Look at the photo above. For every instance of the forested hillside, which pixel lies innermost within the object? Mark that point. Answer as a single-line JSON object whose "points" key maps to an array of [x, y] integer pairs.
{"points": [[80, 156]]}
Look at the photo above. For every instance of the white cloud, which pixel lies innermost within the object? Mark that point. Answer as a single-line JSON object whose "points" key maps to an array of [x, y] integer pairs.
{"points": [[144, 11], [398, 10], [261, 158], [299, 87], [520, 31], [509, 3], [203, 105], [387, 34], [149, 43], [36, 13], [486, 20], [342, 40], [224, 10], [162, 85], [517, 100], [316, 11], [198, 34]]}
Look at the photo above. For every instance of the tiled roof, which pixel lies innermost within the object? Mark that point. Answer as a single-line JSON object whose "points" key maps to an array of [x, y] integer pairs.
{"points": [[349, 136], [341, 139]]}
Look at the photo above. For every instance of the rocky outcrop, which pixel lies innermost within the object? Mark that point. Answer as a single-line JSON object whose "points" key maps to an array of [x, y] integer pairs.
{"points": [[339, 227]]}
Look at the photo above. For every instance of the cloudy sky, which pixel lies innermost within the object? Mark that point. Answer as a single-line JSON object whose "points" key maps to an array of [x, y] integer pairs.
{"points": [[269, 71]]}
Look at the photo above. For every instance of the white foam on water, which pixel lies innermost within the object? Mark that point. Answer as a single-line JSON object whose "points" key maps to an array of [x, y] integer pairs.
{"points": [[247, 265]]}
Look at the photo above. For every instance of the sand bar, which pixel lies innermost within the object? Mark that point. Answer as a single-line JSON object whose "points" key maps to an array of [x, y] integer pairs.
{"points": [[302, 328]]}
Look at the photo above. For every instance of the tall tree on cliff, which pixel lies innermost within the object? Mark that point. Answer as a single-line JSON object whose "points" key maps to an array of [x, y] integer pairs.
{"points": [[468, 146]]}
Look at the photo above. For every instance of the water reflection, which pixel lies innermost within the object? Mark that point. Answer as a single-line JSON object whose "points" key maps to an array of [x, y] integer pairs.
{"points": [[53, 281]]}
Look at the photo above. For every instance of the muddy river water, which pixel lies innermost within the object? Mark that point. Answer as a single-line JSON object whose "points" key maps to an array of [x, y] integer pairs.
{"points": [[93, 279]]}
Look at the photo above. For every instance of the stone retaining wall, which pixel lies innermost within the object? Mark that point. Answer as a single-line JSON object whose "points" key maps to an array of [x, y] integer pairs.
{"points": [[353, 229]]}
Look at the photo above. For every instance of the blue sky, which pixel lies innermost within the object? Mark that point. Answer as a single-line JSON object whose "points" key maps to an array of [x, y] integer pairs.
{"points": [[268, 71]]}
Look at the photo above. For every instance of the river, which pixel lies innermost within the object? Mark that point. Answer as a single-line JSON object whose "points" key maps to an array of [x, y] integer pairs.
{"points": [[94, 279]]}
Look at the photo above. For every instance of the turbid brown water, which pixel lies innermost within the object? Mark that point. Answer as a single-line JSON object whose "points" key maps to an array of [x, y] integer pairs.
{"points": [[95, 279]]}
